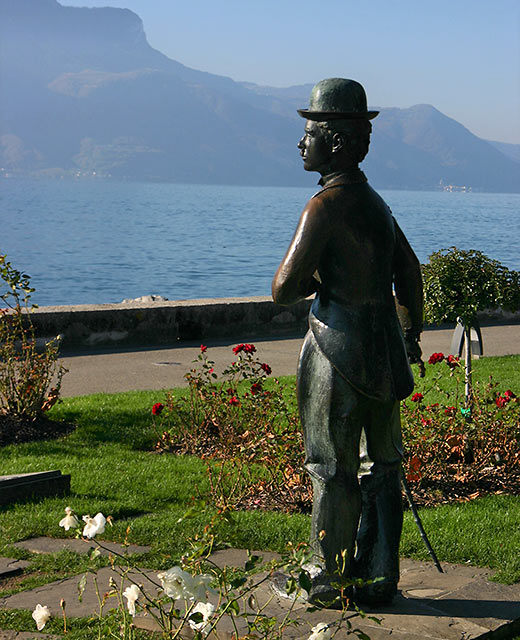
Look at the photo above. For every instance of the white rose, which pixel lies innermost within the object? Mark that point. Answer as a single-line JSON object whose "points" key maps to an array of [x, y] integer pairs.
{"points": [[41, 616], [131, 593], [207, 610], [94, 525], [321, 631], [176, 583], [70, 520]]}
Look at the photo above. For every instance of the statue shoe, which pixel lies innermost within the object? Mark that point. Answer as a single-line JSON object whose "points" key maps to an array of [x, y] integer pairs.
{"points": [[378, 593], [326, 596]]}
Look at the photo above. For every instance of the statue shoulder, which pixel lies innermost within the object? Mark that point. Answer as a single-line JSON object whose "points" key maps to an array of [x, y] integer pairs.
{"points": [[316, 205]]}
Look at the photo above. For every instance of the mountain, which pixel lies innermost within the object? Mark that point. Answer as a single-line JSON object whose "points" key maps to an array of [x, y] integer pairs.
{"points": [[421, 147], [508, 149], [84, 93]]}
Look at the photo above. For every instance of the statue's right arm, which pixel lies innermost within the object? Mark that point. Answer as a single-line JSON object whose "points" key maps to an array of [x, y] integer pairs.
{"points": [[294, 279]]}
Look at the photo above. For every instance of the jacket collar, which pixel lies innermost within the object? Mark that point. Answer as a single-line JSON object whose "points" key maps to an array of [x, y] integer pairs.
{"points": [[350, 176]]}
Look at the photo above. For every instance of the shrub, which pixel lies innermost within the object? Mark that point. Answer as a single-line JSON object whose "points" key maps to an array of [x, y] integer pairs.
{"points": [[458, 284], [26, 373]]}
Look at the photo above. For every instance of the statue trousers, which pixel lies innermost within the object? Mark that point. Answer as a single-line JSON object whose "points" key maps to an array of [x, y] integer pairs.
{"points": [[353, 455]]}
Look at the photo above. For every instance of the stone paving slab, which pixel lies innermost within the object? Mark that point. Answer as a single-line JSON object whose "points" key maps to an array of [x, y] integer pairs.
{"points": [[10, 566], [53, 545], [22, 486], [25, 635], [460, 604], [50, 594]]}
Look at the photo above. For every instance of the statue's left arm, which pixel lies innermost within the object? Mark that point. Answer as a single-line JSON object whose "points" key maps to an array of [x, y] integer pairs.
{"points": [[409, 293]]}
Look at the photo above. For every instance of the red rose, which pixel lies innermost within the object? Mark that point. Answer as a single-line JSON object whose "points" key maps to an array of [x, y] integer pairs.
{"points": [[436, 357], [417, 397], [266, 368], [414, 466], [501, 401], [238, 349], [449, 410], [249, 348], [452, 362], [203, 348], [234, 400], [509, 394], [157, 408], [256, 387]]}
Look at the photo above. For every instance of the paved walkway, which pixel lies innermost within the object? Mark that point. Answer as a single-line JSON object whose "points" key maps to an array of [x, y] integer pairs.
{"points": [[165, 368], [459, 604]]}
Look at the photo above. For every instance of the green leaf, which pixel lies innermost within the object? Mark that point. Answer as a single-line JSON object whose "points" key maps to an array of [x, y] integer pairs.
{"points": [[93, 552], [252, 562], [196, 617], [82, 584], [290, 585], [233, 606], [304, 581], [238, 582]]}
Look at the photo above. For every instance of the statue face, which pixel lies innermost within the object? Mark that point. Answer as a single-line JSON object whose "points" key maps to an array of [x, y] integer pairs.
{"points": [[314, 149]]}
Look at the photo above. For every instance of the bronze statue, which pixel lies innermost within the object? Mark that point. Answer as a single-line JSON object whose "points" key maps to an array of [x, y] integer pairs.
{"points": [[353, 368]]}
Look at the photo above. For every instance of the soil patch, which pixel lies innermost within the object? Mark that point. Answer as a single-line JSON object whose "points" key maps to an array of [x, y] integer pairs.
{"points": [[446, 489], [14, 430], [15, 583]]}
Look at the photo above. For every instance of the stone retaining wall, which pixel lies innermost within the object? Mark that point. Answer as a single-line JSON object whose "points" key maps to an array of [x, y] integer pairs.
{"points": [[165, 323]]}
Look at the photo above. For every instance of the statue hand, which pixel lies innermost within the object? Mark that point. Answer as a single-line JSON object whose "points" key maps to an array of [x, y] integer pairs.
{"points": [[414, 352]]}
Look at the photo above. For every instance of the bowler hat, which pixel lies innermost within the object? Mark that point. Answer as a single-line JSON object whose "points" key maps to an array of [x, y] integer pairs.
{"points": [[337, 99]]}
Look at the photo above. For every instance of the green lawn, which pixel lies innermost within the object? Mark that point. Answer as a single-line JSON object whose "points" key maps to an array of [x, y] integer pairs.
{"points": [[114, 472], [504, 370]]}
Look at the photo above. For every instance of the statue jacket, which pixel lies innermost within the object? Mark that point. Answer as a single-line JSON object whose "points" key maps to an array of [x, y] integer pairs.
{"points": [[350, 251]]}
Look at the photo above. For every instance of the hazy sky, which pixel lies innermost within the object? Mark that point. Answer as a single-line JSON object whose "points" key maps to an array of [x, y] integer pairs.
{"points": [[462, 56]]}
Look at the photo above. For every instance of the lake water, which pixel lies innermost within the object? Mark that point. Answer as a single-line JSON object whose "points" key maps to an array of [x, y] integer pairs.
{"points": [[102, 241]]}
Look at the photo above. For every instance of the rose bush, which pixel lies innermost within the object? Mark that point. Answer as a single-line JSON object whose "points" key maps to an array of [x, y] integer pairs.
{"points": [[240, 418], [253, 430], [454, 453], [198, 594], [26, 371]]}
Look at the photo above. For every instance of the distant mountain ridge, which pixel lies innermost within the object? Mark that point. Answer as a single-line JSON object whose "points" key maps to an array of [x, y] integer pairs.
{"points": [[83, 93], [508, 149]]}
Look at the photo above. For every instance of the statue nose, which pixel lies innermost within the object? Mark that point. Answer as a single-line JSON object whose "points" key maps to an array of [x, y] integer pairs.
{"points": [[300, 143]]}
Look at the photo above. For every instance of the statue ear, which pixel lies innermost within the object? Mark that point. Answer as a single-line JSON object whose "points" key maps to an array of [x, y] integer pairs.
{"points": [[337, 142]]}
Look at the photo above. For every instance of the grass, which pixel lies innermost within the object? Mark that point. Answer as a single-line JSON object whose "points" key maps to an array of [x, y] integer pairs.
{"points": [[77, 628], [505, 370], [113, 472], [483, 533]]}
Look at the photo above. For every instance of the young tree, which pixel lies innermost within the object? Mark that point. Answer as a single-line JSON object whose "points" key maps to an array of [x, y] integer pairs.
{"points": [[458, 284]]}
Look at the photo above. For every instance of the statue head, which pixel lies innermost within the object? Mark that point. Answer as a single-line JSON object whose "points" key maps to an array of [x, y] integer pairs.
{"points": [[338, 120]]}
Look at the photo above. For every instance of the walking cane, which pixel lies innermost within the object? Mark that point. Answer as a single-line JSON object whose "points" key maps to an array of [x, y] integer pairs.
{"points": [[418, 522], [411, 502]]}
